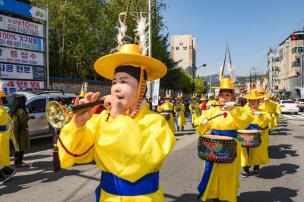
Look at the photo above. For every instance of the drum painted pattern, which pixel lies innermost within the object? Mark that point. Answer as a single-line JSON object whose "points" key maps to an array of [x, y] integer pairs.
{"points": [[249, 138], [219, 150]]}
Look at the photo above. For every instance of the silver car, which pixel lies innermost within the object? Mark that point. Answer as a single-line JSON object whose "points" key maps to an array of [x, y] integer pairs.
{"points": [[36, 103]]}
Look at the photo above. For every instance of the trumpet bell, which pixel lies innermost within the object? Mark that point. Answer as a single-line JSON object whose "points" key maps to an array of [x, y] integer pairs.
{"points": [[56, 115]]}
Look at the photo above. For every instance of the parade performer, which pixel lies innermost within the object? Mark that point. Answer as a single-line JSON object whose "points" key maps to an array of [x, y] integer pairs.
{"points": [[127, 141], [166, 109], [194, 109], [256, 156], [203, 104], [179, 111], [221, 180], [269, 106], [211, 100], [6, 173]]}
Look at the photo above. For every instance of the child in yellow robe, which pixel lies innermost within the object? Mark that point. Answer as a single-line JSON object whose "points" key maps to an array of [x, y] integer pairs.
{"points": [[179, 111], [127, 141], [221, 180], [257, 155]]}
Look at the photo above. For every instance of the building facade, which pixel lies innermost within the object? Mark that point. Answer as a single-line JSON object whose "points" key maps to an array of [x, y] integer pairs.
{"points": [[183, 49], [284, 67]]}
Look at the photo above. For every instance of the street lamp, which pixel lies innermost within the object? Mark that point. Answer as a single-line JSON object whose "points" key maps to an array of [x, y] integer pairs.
{"points": [[194, 69]]}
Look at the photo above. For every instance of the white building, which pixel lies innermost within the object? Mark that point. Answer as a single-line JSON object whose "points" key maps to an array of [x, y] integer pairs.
{"points": [[183, 49]]}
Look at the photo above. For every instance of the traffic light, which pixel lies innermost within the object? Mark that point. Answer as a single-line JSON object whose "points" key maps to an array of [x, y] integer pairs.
{"points": [[297, 37]]}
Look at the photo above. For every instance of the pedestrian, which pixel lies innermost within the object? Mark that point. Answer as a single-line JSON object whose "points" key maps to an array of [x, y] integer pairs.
{"points": [[6, 172], [20, 133], [221, 180], [255, 156], [127, 141]]}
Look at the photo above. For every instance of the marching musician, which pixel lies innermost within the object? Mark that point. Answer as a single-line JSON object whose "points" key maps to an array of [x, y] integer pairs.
{"points": [[127, 141], [194, 108], [257, 155], [166, 109], [211, 100], [269, 106], [221, 180], [179, 111], [203, 104]]}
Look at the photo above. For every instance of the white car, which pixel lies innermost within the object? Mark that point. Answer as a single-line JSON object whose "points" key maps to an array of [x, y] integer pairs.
{"points": [[36, 103], [289, 106]]}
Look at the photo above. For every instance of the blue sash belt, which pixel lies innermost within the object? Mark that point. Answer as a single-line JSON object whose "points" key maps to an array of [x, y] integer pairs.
{"points": [[167, 111], [209, 165], [3, 128], [117, 186], [253, 127], [230, 133]]}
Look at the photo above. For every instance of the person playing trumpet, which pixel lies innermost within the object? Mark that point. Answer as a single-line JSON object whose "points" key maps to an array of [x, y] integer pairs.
{"points": [[127, 141], [179, 110], [221, 180], [257, 155]]}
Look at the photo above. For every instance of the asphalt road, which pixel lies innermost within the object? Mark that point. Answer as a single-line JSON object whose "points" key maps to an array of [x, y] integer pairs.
{"points": [[281, 180]]}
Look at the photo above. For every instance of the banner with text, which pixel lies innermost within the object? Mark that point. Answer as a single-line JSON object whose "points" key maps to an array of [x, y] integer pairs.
{"points": [[20, 41], [21, 26], [9, 71], [21, 57], [12, 86]]}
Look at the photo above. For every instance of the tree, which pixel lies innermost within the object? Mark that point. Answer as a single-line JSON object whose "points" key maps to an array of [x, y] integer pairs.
{"points": [[201, 86]]}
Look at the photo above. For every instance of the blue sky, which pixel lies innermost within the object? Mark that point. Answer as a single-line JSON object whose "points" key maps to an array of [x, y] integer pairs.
{"points": [[251, 27]]}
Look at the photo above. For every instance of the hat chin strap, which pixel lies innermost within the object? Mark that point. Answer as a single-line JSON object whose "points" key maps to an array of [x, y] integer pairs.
{"points": [[140, 92]]}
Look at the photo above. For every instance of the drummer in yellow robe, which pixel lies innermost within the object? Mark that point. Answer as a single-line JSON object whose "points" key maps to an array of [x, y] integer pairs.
{"points": [[221, 180], [166, 110], [127, 141], [268, 106], [203, 104], [6, 172], [194, 108], [257, 155], [179, 111]]}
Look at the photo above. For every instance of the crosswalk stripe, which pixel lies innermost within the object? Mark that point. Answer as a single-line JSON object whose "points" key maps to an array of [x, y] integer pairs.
{"points": [[292, 116]]}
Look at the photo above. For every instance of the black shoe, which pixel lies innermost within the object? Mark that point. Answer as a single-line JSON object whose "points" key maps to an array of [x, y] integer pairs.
{"points": [[8, 173], [182, 128], [256, 173], [177, 128], [22, 165], [244, 174]]}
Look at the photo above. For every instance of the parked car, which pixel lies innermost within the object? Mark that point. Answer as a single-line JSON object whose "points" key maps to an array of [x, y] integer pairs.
{"points": [[289, 106], [36, 102], [300, 103]]}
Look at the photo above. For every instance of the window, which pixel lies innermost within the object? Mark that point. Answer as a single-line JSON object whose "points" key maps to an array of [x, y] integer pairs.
{"points": [[177, 48], [37, 106], [185, 47]]}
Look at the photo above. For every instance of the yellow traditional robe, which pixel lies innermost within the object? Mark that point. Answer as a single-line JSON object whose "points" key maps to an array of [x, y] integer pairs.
{"points": [[128, 148], [180, 115], [270, 107], [195, 112], [257, 155], [224, 178], [168, 106], [4, 138]]}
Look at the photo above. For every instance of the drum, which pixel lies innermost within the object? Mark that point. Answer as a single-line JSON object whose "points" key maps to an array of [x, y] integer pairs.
{"points": [[166, 115], [219, 149], [249, 138]]}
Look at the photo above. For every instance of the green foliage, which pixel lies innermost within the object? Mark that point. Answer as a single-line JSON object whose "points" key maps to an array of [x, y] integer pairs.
{"points": [[81, 31], [201, 86]]}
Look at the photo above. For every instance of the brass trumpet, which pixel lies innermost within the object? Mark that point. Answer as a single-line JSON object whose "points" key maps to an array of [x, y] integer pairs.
{"points": [[59, 115]]}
